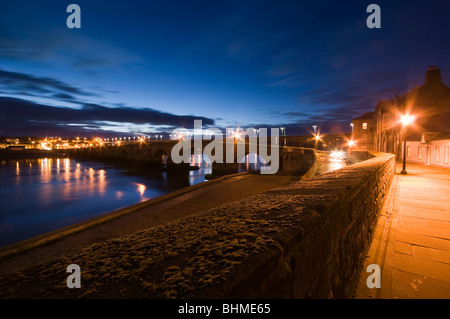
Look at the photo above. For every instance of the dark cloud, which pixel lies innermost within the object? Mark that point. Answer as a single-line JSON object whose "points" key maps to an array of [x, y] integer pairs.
{"points": [[65, 97], [15, 82], [351, 96], [22, 117], [91, 63]]}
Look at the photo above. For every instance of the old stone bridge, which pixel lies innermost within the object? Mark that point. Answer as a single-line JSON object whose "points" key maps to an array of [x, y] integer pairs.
{"points": [[290, 159]]}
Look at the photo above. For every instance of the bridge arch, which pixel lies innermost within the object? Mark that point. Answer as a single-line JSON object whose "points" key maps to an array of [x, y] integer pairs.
{"points": [[162, 156], [251, 162], [123, 152]]}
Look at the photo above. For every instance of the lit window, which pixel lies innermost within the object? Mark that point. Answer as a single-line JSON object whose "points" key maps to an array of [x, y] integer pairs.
{"points": [[436, 150], [419, 152], [446, 154], [408, 151], [364, 126]]}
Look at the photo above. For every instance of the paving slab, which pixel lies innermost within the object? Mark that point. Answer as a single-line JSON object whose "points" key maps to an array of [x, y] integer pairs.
{"points": [[415, 263]]}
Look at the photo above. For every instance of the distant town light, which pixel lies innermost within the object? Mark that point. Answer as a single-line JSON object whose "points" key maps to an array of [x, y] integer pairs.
{"points": [[45, 147]]}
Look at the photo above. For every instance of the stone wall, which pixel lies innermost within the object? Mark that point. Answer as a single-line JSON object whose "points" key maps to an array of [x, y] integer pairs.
{"points": [[304, 240], [322, 255], [359, 156]]}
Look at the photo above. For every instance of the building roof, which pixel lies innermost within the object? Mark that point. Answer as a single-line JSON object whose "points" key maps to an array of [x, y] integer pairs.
{"points": [[428, 136], [441, 136], [365, 116], [430, 103]]}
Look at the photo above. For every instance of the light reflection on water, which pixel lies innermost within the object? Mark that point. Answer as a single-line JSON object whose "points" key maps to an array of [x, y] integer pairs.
{"points": [[251, 162], [41, 195]]}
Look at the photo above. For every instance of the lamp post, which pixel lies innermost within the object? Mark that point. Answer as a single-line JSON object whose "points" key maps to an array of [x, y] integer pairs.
{"points": [[317, 138], [406, 120]]}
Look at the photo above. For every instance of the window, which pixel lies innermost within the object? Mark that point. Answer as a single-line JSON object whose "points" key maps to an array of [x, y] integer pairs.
{"points": [[436, 150], [364, 126], [419, 152], [408, 151], [446, 154]]}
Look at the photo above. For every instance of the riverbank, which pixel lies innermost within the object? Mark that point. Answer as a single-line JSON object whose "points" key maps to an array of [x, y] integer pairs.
{"points": [[6, 154]]}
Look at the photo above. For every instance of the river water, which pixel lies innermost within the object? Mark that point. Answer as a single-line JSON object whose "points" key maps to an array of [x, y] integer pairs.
{"points": [[41, 195]]}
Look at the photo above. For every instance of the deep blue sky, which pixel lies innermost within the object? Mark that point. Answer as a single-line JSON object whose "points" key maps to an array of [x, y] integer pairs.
{"points": [[141, 67]]}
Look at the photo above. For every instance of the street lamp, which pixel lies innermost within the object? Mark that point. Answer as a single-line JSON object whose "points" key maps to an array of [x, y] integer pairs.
{"points": [[351, 143], [406, 120], [283, 132], [315, 129], [317, 139]]}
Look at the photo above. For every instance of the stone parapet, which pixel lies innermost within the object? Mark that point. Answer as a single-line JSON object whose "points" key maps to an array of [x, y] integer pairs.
{"points": [[304, 240]]}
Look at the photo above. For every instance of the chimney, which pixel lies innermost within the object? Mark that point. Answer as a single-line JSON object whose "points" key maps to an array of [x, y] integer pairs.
{"points": [[433, 75]]}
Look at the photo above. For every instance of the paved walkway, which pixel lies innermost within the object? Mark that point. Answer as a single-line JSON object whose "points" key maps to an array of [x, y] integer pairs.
{"points": [[412, 239]]}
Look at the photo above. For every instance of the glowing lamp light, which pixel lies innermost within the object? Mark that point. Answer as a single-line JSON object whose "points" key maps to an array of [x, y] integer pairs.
{"points": [[337, 155], [407, 119], [351, 143]]}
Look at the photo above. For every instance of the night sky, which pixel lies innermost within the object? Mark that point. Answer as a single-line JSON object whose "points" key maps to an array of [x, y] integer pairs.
{"points": [[143, 67]]}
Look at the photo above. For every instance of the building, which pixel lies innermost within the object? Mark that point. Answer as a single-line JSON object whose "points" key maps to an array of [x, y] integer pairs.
{"points": [[430, 149], [363, 131], [429, 104]]}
